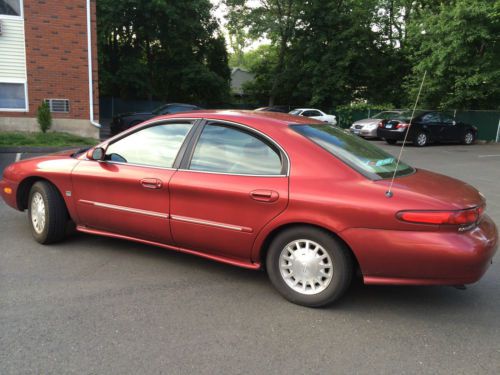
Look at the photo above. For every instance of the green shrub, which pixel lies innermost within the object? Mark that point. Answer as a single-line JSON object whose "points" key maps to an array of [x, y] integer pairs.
{"points": [[44, 117]]}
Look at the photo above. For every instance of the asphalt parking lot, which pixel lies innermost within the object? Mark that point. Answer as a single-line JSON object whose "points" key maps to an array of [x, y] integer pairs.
{"points": [[95, 305]]}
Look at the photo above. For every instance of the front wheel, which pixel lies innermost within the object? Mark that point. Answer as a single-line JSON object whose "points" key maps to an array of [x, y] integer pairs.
{"points": [[47, 213], [308, 266]]}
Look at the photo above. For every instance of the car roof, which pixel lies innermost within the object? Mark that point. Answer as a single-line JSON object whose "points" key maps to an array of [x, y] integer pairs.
{"points": [[306, 109], [244, 117]]}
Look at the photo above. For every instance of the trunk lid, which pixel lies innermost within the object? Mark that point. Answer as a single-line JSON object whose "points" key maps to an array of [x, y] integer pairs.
{"points": [[427, 190]]}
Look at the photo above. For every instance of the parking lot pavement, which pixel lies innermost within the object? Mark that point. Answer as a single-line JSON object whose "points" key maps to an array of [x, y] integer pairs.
{"points": [[96, 305]]}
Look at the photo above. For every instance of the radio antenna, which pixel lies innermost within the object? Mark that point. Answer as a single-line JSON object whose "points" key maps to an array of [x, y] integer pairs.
{"points": [[388, 193]]}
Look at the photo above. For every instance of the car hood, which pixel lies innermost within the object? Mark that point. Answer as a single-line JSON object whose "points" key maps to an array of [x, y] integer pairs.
{"points": [[433, 191], [366, 121]]}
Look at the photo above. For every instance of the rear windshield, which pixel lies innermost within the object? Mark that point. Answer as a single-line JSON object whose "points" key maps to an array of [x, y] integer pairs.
{"points": [[361, 155], [406, 115], [385, 115]]}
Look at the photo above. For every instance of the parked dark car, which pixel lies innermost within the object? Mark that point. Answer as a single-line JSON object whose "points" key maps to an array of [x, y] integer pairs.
{"points": [[426, 127], [126, 120]]}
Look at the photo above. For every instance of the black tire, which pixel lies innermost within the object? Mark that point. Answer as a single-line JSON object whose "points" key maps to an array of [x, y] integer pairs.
{"points": [[54, 215], [469, 137], [420, 139], [341, 266], [391, 141]]}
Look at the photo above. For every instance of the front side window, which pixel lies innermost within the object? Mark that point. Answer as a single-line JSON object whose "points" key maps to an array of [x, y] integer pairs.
{"points": [[447, 119], [156, 146], [12, 96], [361, 155], [10, 7], [222, 149]]}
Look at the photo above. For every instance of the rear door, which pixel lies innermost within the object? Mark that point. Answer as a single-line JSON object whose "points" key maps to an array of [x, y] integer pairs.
{"points": [[233, 183], [127, 193]]}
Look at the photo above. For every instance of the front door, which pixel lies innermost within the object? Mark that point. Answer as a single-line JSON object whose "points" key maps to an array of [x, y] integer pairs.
{"points": [[234, 184], [449, 129], [127, 193]]}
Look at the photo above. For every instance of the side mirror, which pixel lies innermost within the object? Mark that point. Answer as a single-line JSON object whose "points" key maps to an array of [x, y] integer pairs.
{"points": [[96, 153]]}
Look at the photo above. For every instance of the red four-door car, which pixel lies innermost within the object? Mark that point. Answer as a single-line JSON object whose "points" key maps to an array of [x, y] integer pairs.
{"points": [[304, 200]]}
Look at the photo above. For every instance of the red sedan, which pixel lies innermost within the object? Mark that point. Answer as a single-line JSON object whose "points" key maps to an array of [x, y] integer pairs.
{"points": [[300, 198]]}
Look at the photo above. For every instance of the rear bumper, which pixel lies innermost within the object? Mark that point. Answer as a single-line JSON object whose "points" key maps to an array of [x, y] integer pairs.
{"points": [[391, 134], [364, 133], [423, 258]]}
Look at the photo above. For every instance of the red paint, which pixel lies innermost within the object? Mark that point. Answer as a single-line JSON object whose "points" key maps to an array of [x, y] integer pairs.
{"points": [[229, 217]]}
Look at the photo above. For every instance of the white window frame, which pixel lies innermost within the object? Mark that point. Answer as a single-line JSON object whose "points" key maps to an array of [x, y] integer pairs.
{"points": [[18, 81], [20, 17]]}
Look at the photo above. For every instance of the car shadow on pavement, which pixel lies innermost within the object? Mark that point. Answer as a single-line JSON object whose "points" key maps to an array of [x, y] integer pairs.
{"points": [[361, 299]]}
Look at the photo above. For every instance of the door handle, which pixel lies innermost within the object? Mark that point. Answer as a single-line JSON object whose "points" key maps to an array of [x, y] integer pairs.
{"points": [[261, 195], [151, 183]]}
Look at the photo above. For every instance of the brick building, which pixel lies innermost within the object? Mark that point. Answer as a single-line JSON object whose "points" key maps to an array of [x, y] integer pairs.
{"points": [[46, 54]]}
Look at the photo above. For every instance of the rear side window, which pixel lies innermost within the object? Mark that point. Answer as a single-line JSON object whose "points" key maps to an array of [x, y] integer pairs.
{"points": [[222, 149], [359, 154], [156, 146]]}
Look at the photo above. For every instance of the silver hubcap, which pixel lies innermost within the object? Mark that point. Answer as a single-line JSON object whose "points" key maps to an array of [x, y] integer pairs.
{"points": [[38, 212], [469, 138], [306, 267], [422, 139]]}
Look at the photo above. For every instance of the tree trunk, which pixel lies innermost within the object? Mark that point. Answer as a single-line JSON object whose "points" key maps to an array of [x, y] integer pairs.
{"points": [[278, 73]]}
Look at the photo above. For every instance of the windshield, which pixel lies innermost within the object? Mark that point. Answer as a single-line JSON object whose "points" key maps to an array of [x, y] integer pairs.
{"points": [[295, 112], [361, 155]]}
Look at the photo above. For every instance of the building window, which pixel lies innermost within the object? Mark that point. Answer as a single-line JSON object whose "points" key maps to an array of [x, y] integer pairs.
{"points": [[58, 105], [13, 96], [10, 7]]}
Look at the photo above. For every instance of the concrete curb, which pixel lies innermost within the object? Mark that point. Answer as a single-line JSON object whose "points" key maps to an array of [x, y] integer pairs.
{"points": [[36, 150]]}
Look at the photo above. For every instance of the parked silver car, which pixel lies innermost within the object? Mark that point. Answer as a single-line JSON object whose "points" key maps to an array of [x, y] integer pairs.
{"points": [[367, 128]]}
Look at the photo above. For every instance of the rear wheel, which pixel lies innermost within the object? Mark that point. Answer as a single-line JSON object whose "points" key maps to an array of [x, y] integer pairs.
{"points": [[468, 137], [308, 266], [391, 141], [47, 213], [420, 139]]}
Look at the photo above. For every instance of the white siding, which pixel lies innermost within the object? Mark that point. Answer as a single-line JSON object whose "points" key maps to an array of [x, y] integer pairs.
{"points": [[12, 49]]}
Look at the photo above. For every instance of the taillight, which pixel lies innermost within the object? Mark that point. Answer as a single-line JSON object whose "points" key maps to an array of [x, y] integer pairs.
{"points": [[462, 217], [402, 126]]}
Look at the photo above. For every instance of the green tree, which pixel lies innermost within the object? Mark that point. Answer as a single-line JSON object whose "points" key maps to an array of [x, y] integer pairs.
{"points": [[458, 44], [277, 20], [169, 50]]}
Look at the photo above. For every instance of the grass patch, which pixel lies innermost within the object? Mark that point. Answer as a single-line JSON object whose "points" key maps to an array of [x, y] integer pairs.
{"points": [[52, 139]]}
